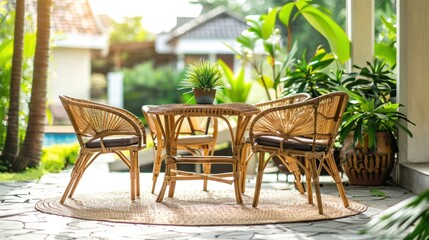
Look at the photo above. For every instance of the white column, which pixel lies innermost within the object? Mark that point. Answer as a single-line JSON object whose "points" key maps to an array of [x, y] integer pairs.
{"points": [[180, 65], [115, 89], [413, 81], [360, 29]]}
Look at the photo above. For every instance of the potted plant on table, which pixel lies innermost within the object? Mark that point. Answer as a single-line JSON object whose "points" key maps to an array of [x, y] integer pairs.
{"points": [[203, 77], [370, 125]]}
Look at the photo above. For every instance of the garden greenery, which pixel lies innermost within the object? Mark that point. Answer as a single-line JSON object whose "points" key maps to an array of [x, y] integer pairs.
{"points": [[149, 85], [54, 159], [6, 52]]}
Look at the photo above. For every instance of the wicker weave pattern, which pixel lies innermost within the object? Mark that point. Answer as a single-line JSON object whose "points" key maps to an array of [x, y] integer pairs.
{"points": [[170, 118], [218, 110], [314, 122], [296, 98], [96, 122]]}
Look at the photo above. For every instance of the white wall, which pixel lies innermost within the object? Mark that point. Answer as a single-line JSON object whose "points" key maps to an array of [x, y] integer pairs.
{"points": [[70, 74], [206, 46]]}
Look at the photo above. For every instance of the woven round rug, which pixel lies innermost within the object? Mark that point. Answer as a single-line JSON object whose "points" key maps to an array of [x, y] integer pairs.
{"points": [[198, 208]]}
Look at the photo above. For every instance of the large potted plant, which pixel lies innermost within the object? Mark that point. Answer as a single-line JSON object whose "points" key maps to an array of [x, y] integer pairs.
{"points": [[203, 77], [370, 125]]}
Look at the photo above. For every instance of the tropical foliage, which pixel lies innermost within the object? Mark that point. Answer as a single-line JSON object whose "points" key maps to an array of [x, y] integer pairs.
{"points": [[384, 47], [240, 85], [16, 160], [203, 74], [6, 53], [311, 76], [270, 67], [407, 220], [385, 30], [370, 107]]}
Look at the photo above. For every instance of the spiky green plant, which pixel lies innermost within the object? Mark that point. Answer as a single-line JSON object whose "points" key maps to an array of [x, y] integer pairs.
{"points": [[406, 220], [203, 74]]}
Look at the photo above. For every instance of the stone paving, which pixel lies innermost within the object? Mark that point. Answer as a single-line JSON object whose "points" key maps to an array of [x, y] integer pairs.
{"points": [[20, 220]]}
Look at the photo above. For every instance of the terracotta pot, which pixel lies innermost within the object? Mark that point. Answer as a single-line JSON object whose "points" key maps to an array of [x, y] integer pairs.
{"points": [[204, 96], [368, 168]]}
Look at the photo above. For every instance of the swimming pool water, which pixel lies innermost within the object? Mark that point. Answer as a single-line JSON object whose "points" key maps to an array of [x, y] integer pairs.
{"points": [[58, 138]]}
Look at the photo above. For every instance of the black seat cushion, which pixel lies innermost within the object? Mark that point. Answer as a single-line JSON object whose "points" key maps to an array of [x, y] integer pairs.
{"points": [[304, 144], [114, 142]]}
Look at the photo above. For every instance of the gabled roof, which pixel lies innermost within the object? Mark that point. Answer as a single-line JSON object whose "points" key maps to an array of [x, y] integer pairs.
{"points": [[75, 16], [75, 20], [68, 16], [215, 24]]}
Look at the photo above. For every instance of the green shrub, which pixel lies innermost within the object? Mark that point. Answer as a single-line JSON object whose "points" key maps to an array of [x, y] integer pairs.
{"points": [[54, 159], [147, 84], [57, 157]]}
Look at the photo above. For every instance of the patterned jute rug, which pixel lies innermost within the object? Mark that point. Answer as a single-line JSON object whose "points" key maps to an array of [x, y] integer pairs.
{"points": [[197, 208]]}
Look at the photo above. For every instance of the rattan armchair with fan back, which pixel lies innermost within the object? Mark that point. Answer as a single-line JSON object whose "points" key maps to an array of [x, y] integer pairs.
{"points": [[104, 129], [296, 98], [307, 129], [197, 136]]}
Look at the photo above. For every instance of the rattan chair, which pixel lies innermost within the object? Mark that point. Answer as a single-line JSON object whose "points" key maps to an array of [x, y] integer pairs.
{"points": [[296, 98], [104, 129], [308, 130], [197, 136]]}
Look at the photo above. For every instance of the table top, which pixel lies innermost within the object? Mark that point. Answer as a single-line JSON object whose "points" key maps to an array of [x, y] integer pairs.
{"points": [[223, 109]]}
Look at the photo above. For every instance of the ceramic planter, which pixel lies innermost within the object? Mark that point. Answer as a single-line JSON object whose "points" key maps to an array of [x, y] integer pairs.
{"points": [[363, 167], [204, 96]]}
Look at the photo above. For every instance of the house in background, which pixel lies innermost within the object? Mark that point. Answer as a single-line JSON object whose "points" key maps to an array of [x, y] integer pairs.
{"points": [[76, 34], [202, 37]]}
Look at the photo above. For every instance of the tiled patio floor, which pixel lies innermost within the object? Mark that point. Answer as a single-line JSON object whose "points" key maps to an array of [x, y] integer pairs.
{"points": [[19, 219]]}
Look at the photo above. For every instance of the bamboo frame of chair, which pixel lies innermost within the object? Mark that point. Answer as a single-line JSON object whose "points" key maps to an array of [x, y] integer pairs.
{"points": [[307, 129], [104, 129], [296, 98]]}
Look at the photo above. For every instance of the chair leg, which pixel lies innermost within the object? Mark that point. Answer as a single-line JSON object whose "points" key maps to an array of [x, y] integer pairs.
{"points": [[298, 182], [293, 167], [308, 180], [237, 184], [315, 176], [132, 179], [134, 175], [72, 181], [336, 176], [245, 157], [156, 167], [258, 179], [206, 169], [89, 158], [172, 182], [137, 174], [76, 182], [164, 184], [75, 175]]}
